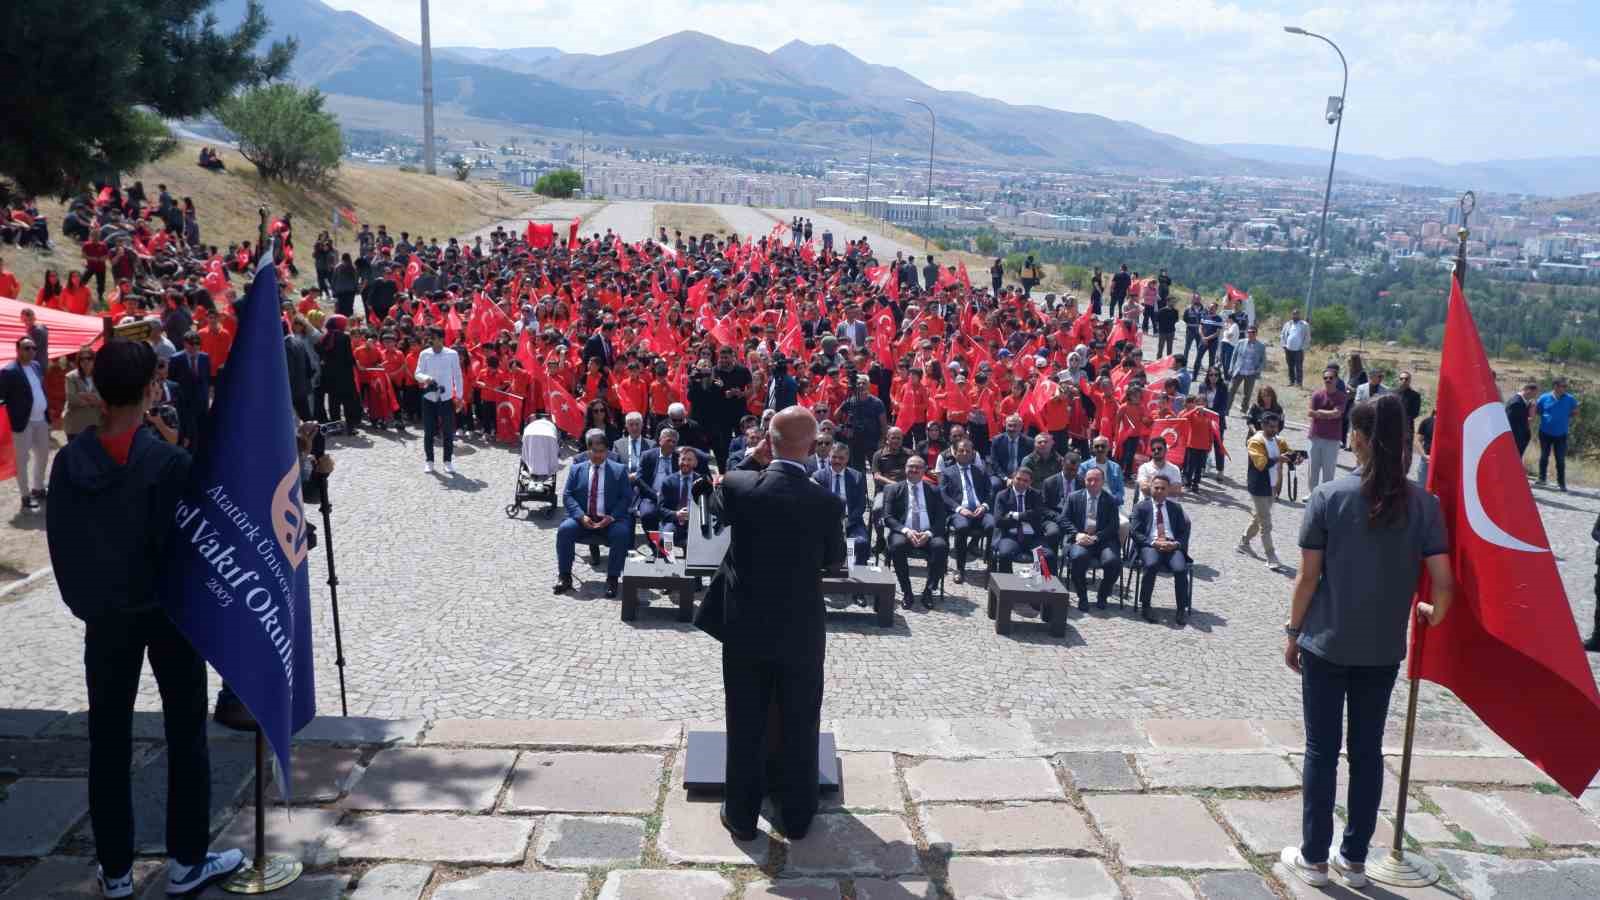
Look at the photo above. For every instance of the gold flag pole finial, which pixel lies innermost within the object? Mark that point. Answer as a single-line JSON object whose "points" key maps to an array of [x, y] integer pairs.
{"points": [[1467, 203]]}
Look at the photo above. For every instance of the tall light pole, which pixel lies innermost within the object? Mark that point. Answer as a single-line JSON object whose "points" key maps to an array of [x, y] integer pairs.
{"points": [[933, 124], [427, 95], [866, 199], [1335, 116], [583, 154]]}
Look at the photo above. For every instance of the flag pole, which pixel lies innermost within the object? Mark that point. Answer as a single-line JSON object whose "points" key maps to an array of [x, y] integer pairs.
{"points": [[1398, 868], [266, 873]]}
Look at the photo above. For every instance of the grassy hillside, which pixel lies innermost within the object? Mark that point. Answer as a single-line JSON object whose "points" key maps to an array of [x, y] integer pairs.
{"points": [[432, 206]]}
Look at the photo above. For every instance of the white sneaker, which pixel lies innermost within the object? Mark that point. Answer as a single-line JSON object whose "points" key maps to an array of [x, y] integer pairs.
{"points": [[1273, 565], [1353, 876], [115, 887], [184, 880], [450, 467], [427, 468], [1296, 864]]}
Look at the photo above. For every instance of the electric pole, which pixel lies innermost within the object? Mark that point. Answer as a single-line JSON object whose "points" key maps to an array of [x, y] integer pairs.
{"points": [[427, 96]]}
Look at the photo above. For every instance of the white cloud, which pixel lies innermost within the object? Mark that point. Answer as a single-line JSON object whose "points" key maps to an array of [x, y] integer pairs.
{"points": [[1451, 79]]}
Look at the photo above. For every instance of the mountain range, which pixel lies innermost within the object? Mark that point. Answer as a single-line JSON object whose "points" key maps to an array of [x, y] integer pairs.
{"points": [[799, 101]]}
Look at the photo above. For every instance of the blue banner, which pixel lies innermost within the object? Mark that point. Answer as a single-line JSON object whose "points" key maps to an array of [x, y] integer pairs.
{"points": [[239, 588]]}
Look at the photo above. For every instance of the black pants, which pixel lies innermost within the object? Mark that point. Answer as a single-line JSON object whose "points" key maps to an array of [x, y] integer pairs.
{"points": [[1295, 360], [99, 277], [1206, 350], [767, 694], [1155, 561], [1079, 559], [325, 281], [964, 530], [113, 656], [1194, 464], [1191, 336], [937, 549], [1549, 443], [1164, 344], [438, 416], [1116, 306], [343, 402], [1147, 319], [1130, 448], [344, 303], [1014, 547], [302, 406]]}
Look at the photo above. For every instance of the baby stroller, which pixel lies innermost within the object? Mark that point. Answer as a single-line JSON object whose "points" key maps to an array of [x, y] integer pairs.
{"points": [[536, 470]]}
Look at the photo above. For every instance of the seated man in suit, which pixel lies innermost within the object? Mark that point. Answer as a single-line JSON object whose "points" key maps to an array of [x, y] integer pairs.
{"points": [[1006, 451], [915, 516], [599, 501], [630, 448], [968, 494], [1161, 534], [850, 486], [676, 492], [1089, 528], [1019, 515]]}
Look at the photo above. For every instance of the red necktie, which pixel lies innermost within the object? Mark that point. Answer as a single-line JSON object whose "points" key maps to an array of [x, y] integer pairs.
{"points": [[1161, 527], [594, 492]]}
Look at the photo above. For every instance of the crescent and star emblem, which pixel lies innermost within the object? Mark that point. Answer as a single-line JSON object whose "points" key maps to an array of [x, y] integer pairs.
{"points": [[1485, 423]]}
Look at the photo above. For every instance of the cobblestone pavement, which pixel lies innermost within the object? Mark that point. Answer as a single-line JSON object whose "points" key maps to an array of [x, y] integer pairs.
{"points": [[944, 808], [447, 612]]}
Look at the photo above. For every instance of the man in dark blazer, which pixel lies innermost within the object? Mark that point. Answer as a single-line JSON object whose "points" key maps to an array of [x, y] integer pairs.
{"points": [[600, 345], [599, 503], [677, 490], [190, 370], [28, 412], [850, 486], [655, 464], [1089, 526], [970, 498], [629, 449], [916, 519], [1006, 452], [1161, 534], [1019, 517], [765, 606]]}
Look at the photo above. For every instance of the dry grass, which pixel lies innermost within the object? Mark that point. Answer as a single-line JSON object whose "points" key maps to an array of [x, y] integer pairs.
{"points": [[689, 219], [405, 201]]}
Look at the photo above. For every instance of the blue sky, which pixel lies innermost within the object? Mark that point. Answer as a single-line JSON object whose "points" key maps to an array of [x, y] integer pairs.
{"points": [[1454, 81]]}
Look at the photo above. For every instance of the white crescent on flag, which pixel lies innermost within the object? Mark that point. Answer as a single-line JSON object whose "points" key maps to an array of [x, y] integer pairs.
{"points": [[1482, 426]]}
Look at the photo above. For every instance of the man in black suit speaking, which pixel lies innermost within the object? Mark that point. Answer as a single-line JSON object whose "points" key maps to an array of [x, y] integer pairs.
{"points": [[765, 606]]}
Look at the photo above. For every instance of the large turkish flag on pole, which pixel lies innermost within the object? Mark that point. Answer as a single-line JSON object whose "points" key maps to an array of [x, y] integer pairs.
{"points": [[1509, 647]]}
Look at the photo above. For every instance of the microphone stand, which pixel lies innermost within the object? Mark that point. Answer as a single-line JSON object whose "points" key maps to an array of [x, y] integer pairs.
{"points": [[333, 589]]}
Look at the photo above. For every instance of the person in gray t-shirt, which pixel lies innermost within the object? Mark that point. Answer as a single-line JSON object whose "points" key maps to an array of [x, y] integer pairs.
{"points": [[1364, 542]]}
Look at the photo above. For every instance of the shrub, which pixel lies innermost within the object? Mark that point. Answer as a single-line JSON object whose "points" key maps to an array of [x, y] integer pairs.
{"points": [[285, 132], [560, 184], [1329, 324]]}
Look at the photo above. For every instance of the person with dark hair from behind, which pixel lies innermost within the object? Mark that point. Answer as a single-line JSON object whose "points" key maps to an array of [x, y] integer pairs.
{"points": [[1364, 541], [114, 490], [1593, 643]]}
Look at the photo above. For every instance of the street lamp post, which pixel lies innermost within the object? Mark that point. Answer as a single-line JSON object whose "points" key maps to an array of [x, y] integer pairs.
{"points": [[583, 155], [1335, 116], [933, 124], [427, 94]]}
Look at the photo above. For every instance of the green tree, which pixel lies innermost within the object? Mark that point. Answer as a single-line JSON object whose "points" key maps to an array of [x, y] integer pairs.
{"points": [[461, 167], [560, 184], [285, 132], [1330, 324], [986, 244], [93, 80], [1573, 348]]}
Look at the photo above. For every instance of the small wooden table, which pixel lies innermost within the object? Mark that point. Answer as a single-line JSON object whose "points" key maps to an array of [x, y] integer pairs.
{"points": [[863, 580], [1006, 589], [658, 575]]}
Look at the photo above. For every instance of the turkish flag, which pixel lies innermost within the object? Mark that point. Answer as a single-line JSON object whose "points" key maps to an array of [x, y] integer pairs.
{"points": [[572, 233], [1508, 647], [565, 411], [699, 293], [1176, 431], [540, 235], [8, 454], [622, 255], [724, 332], [452, 326]]}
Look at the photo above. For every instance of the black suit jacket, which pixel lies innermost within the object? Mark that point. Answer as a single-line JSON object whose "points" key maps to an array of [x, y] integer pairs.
{"points": [[766, 598], [1057, 488], [1033, 512], [605, 350], [951, 488], [650, 459], [194, 383], [1107, 519], [17, 395], [897, 508], [1005, 454], [1143, 528], [855, 491]]}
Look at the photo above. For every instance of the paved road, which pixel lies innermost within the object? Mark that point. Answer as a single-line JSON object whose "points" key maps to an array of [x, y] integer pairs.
{"points": [[629, 218], [882, 246]]}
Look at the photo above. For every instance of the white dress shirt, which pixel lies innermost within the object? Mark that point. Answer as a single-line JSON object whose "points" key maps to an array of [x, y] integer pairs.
{"points": [[1150, 470], [444, 368], [600, 487], [40, 405], [1295, 334]]}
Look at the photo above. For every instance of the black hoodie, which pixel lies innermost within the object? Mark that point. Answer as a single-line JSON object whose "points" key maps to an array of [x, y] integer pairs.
{"points": [[109, 525]]}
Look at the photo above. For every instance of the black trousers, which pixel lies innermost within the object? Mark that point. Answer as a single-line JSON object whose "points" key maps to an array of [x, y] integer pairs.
{"points": [[1294, 361], [1557, 444], [1079, 559], [937, 549], [766, 694], [966, 529], [113, 655], [438, 417], [344, 303], [1155, 561]]}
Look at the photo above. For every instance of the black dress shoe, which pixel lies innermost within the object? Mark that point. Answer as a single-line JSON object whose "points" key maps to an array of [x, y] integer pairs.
{"points": [[961, 577], [1182, 618], [1083, 604], [1593, 643], [562, 586], [594, 556], [1100, 603], [741, 836], [1149, 616], [910, 601], [611, 588], [927, 598]]}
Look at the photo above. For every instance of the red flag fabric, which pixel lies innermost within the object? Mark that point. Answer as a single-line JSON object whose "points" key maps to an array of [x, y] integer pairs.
{"points": [[1176, 431], [572, 233], [1509, 647], [793, 342], [566, 412], [525, 352], [1234, 294], [723, 332], [961, 272], [8, 455], [699, 292], [452, 326], [540, 235], [622, 255], [413, 269]]}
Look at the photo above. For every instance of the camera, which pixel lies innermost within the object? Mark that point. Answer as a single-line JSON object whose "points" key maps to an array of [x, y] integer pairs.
{"points": [[1294, 458], [167, 413]]}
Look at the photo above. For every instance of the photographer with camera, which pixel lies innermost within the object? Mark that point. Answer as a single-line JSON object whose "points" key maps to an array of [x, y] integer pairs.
{"points": [[1267, 454]]}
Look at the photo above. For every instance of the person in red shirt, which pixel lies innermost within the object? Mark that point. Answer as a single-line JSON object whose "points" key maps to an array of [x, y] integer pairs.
{"points": [[216, 341], [75, 295], [10, 287], [491, 380], [95, 256], [632, 391], [1133, 424], [49, 295], [660, 395]]}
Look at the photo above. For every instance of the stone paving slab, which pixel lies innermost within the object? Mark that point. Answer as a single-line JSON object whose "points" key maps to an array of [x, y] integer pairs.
{"points": [[619, 734], [433, 779], [361, 730], [487, 840], [1486, 877], [515, 886], [320, 774], [1487, 822], [1265, 826], [1167, 831], [302, 834], [1068, 735], [1100, 770], [1287, 735], [1031, 878], [796, 889], [1159, 887], [1034, 827], [1471, 770], [1337, 890], [912, 737], [73, 878], [50, 759], [1204, 734], [1216, 770], [850, 844], [393, 881], [982, 780], [651, 884], [584, 842], [1551, 818], [1437, 738], [585, 782], [27, 723], [1234, 886], [147, 726], [692, 833], [308, 887], [37, 813], [896, 889], [868, 781], [1421, 826]]}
